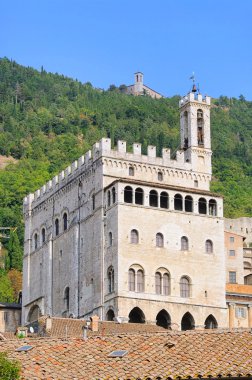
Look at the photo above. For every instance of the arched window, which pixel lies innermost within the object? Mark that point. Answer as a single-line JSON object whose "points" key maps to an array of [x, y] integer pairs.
{"points": [[202, 206], [65, 221], [131, 170], [184, 243], [140, 280], [185, 130], [153, 198], [43, 234], [188, 204], [158, 282], [164, 200], [34, 314], [160, 176], [113, 195], [136, 316], [56, 227], [163, 319], [109, 198], [132, 274], [93, 202], [139, 194], [166, 284], [66, 298], [35, 241], [111, 279], [200, 127], [209, 246], [159, 240], [210, 322], [187, 322], [110, 239], [110, 315], [178, 202], [134, 237], [184, 287], [128, 194], [212, 207]]}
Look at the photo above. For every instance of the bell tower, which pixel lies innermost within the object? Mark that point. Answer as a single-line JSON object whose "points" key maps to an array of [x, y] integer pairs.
{"points": [[139, 82], [195, 131]]}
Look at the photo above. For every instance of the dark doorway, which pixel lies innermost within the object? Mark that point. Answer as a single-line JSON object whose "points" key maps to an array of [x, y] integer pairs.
{"points": [[210, 322], [187, 322], [163, 319], [110, 315], [136, 316]]}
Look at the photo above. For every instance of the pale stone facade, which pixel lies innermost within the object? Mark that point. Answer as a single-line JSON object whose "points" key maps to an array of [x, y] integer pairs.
{"points": [[242, 226], [247, 265], [131, 236], [239, 301], [139, 88], [10, 317], [234, 258]]}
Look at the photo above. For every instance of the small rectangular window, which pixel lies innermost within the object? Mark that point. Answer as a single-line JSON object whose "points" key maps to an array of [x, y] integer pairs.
{"points": [[240, 312], [232, 277], [231, 239], [6, 316], [231, 252], [196, 183]]}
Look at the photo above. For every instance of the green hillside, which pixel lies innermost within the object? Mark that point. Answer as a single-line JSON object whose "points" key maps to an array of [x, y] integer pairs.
{"points": [[48, 120]]}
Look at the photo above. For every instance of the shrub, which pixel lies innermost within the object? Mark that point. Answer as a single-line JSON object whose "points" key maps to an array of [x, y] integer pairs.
{"points": [[9, 369]]}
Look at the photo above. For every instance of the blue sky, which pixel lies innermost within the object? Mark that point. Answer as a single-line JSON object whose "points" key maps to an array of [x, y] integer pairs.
{"points": [[106, 41]]}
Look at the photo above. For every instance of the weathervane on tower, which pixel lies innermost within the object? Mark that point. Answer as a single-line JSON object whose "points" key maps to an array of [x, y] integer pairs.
{"points": [[194, 88]]}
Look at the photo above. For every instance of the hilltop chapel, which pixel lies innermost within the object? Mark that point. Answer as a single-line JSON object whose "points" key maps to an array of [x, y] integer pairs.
{"points": [[131, 237]]}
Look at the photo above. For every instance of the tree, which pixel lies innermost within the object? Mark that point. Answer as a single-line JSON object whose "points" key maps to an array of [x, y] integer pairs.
{"points": [[9, 369], [123, 88], [112, 87], [6, 291], [15, 254], [15, 278]]}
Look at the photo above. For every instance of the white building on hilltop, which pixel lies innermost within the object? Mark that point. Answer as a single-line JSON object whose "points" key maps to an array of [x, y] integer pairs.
{"points": [[139, 88], [131, 236]]}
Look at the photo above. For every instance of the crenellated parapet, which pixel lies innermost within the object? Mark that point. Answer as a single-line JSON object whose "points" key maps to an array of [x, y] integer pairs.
{"points": [[102, 149], [194, 97]]}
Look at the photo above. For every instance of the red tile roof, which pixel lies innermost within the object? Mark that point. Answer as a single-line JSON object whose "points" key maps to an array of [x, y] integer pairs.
{"points": [[169, 355], [67, 327]]}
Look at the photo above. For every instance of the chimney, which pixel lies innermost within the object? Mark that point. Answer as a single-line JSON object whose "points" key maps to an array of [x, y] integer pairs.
{"points": [[48, 323], [94, 326]]}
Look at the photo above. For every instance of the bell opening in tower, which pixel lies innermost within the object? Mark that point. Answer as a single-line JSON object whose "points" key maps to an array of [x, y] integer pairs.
{"points": [[200, 128]]}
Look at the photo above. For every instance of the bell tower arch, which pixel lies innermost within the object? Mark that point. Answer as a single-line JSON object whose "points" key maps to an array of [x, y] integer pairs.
{"points": [[138, 82], [195, 131]]}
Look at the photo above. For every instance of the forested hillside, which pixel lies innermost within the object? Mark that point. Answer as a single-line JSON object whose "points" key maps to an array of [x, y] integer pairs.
{"points": [[48, 120]]}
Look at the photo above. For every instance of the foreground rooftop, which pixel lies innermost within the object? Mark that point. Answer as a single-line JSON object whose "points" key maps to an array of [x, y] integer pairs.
{"points": [[150, 355]]}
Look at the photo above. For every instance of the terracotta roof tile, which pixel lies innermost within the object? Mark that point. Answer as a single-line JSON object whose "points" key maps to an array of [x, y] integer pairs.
{"points": [[167, 354], [68, 327]]}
